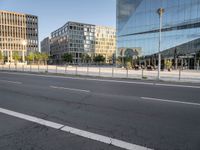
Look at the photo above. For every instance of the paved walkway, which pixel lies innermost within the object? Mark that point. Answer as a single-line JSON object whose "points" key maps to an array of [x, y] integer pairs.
{"points": [[175, 75]]}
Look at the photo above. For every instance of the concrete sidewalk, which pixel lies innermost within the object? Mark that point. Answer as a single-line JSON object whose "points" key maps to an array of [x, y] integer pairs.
{"points": [[174, 76]]}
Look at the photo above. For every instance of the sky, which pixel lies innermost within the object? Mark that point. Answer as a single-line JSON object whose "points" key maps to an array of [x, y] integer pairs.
{"points": [[53, 14]]}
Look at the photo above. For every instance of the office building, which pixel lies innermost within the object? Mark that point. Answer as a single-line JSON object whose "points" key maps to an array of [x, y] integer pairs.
{"points": [[74, 38], [18, 33], [45, 45], [79, 39], [138, 29], [105, 42]]}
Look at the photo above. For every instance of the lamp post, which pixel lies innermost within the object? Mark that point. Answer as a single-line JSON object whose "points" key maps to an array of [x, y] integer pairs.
{"points": [[24, 43], [160, 12]]}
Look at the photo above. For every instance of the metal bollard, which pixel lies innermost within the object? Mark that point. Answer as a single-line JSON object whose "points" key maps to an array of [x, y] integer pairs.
{"points": [[179, 74], [112, 72], [56, 69], [47, 68], [99, 71], [142, 73], [76, 70], [65, 68], [127, 73], [87, 70]]}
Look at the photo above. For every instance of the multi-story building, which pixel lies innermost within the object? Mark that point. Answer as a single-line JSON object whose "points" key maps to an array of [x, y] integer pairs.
{"points": [[18, 33], [138, 29], [45, 45], [105, 42], [80, 38], [74, 38]]}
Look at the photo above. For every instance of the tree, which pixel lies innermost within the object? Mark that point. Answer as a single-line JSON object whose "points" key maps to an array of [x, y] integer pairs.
{"points": [[67, 57], [16, 56], [119, 60], [111, 59], [1, 56], [86, 58], [198, 55], [30, 57], [99, 59], [128, 62], [45, 57], [168, 64], [198, 59], [37, 57]]}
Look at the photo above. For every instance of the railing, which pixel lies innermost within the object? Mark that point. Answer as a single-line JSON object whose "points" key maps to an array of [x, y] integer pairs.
{"points": [[109, 71]]}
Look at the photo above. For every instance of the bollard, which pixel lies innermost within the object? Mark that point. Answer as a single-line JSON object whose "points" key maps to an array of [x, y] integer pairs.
{"points": [[179, 74], [56, 69], [112, 72], [99, 71], [47, 68], [76, 70], [142, 73], [23, 68], [127, 73], [87, 70], [65, 68], [9, 66]]}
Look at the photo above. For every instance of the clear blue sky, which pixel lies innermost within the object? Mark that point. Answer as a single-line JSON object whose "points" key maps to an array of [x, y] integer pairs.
{"points": [[55, 13]]}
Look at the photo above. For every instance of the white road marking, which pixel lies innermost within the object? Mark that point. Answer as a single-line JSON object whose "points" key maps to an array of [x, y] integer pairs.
{"points": [[31, 119], [104, 139], [170, 101], [173, 85], [75, 131], [70, 89], [13, 82], [104, 80]]}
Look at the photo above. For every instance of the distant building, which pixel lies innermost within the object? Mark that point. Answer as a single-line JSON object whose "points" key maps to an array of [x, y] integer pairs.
{"points": [[45, 46], [18, 33], [74, 38], [105, 42], [80, 38]]}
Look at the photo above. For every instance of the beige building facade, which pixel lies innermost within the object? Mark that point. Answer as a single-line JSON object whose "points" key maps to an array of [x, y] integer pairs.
{"points": [[18, 34], [105, 42]]}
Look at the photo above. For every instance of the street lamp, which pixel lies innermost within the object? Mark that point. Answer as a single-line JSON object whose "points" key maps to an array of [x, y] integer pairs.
{"points": [[160, 12], [24, 43]]}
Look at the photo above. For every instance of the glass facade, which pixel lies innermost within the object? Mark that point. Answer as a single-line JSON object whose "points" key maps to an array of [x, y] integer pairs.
{"points": [[138, 26], [74, 38]]}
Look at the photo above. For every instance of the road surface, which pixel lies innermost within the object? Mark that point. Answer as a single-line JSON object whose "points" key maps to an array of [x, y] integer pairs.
{"points": [[41, 112]]}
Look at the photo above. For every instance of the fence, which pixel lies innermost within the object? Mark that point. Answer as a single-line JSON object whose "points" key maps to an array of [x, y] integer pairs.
{"points": [[102, 71]]}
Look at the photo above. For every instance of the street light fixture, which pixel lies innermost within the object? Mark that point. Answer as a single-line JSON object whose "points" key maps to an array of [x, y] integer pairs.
{"points": [[160, 12]]}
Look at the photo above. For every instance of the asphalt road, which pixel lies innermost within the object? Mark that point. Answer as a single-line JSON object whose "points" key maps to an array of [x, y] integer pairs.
{"points": [[159, 116]]}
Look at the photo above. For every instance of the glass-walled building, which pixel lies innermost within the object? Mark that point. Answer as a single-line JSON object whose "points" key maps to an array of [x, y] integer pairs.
{"points": [[138, 28]]}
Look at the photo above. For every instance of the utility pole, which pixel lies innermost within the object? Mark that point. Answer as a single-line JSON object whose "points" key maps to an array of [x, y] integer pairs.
{"points": [[160, 12]]}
